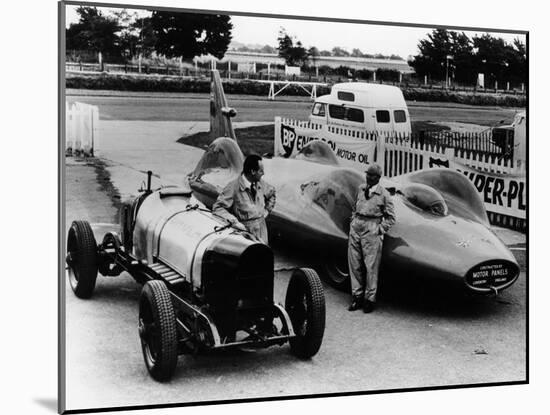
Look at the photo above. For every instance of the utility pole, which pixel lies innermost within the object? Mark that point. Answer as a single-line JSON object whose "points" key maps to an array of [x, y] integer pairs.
{"points": [[448, 57]]}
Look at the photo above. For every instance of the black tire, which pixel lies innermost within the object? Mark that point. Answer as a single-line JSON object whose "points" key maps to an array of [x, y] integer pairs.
{"points": [[336, 272], [157, 331], [82, 258], [305, 304]]}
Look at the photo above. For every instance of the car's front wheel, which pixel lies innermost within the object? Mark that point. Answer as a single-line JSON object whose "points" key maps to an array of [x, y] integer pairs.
{"points": [[157, 330]]}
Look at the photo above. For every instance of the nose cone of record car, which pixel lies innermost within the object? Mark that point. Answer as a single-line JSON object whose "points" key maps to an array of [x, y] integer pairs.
{"points": [[450, 247]]}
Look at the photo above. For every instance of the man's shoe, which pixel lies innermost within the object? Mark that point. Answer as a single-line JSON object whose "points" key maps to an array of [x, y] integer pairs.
{"points": [[368, 306], [356, 304]]}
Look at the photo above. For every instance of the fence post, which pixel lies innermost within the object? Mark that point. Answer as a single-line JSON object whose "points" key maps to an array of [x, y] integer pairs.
{"points": [[95, 124], [277, 137], [381, 151], [68, 129], [450, 155]]}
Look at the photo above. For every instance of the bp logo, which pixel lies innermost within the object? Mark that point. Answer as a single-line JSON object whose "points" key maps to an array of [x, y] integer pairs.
{"points": [[288, 138]]}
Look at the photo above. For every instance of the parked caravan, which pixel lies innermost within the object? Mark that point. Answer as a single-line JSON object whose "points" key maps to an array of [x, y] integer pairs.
{"points": [[371, 107]]}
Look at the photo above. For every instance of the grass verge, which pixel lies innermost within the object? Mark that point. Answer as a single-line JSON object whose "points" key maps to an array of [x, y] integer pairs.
{"points": [[103, 178], [260, 139]]}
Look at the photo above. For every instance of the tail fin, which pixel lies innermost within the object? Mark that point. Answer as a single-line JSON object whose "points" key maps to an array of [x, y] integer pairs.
{"points": [[220, 112], [220, 163]]}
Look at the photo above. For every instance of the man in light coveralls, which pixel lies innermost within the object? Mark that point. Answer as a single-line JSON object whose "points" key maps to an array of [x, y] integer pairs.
{"points": [[372, 217], [247, 200]]}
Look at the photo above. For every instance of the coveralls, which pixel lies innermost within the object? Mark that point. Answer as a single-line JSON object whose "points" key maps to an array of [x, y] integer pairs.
{"points": [[237, 204], [373, 216]]}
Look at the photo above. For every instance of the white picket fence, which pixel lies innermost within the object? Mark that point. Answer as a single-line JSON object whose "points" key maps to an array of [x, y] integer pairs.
{"points": [[300, 123], [81, 125], [404, 156]]}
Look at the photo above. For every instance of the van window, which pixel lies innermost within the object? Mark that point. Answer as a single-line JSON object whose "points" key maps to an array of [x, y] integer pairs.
{"points": [[399, 116], [318, 109], [344, 113], [354, 114], [383, 116], [346, 96]]}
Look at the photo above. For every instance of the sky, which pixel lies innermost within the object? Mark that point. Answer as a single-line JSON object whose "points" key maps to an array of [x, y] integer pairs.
{"points": [[369, 38]]}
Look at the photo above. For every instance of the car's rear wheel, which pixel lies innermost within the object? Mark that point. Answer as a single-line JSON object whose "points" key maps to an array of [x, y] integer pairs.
{"points": [[157, 330], [305, 304], [82, 258]]}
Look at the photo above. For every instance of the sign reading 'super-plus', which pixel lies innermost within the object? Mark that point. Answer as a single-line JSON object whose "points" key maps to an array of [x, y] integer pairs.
{"points": [[351, 148], [501, 193]]}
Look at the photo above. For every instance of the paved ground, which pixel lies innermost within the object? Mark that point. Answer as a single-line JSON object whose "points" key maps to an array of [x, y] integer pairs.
{"points": [[417, 338], [195, 107]]}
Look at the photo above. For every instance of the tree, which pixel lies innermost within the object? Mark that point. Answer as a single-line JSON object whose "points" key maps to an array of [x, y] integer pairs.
{"points": [[520, 48], [517, 59], [338, 51], [462, 68], [293, 54], [94, 32], [268, 49], [313, 54], [188, 35], [356, 53], [485, 54], [432, 53], [492, 55], [445, 52], [146, 36], [128, 38]]}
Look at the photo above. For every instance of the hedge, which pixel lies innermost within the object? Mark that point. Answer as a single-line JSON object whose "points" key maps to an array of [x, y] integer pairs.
{"points": [[163, 83], [470, 98]]}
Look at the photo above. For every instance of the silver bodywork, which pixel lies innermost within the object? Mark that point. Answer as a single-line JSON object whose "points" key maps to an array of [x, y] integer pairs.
{"points": [[174, 228]]}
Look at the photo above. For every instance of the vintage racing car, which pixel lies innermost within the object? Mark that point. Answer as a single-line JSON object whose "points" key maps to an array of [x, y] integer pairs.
{"points": [[206, 285]]}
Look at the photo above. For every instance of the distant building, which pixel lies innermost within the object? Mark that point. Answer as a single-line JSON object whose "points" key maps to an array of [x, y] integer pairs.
{"points": [[356, 63]]}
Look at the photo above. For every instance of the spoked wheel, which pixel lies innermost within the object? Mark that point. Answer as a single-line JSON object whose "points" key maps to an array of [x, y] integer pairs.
{"points": [[305, 304], [336, 272], [157, 330], [82, 258]]}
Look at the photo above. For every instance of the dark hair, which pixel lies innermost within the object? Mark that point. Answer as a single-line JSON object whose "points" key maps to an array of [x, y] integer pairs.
{"points": [[251, 163]]}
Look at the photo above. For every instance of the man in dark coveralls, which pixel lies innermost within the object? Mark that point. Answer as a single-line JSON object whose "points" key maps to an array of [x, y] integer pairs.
{"points": [[372, 217], [247, 200]]}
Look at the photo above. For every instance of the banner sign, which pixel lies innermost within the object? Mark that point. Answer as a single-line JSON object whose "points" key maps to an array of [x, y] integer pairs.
{"points": [[502, 193], [351, 152]]}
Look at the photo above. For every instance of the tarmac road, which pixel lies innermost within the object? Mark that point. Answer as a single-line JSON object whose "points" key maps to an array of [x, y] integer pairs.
{"points": [[116, 105], [419, 337]]}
